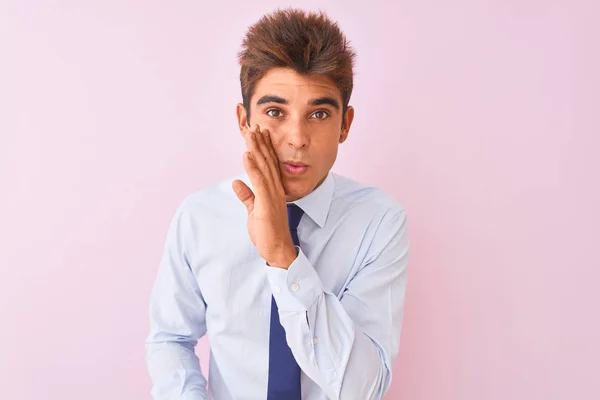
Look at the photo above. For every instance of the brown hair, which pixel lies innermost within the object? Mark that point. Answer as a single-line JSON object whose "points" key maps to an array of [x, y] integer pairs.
{"points": [[308, 42]]}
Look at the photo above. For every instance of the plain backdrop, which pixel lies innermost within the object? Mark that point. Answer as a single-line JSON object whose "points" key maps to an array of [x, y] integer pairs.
{"points": [[480, 117]]}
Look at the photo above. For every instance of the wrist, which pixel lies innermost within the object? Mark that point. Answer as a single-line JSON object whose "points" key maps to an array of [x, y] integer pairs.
{"points": [[285, 259]]}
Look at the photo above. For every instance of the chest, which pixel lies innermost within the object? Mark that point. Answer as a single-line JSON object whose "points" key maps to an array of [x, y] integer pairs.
{"points": [[233, 277]]}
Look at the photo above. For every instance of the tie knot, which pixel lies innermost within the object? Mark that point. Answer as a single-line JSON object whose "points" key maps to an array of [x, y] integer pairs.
{"points": [[295, 214]]}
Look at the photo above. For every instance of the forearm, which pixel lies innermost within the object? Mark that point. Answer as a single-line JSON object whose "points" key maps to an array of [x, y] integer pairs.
{"points": [[328, 345], [175, 371], [177, 320], [334, 352]]}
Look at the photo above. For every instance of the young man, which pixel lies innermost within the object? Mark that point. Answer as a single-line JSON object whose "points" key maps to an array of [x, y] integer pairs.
{"points": [[297, 274]]}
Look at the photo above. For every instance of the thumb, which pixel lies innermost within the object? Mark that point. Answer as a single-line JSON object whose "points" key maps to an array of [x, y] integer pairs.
{"points": [[244, 193]]}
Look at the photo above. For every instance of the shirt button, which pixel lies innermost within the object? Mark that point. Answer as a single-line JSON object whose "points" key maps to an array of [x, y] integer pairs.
{"points": [[295, 287], [277, 289], [315, 340]]}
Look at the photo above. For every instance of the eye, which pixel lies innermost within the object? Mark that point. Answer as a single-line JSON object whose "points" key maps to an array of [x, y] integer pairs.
{"points": [[275, 113], [320, 115]]}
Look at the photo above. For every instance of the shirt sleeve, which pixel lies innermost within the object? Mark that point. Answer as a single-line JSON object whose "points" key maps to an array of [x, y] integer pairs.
{"points": [[347, 344], [177, 320]]}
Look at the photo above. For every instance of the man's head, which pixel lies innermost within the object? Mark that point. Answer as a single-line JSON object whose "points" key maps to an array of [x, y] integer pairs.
{"points": [[296, 77]]}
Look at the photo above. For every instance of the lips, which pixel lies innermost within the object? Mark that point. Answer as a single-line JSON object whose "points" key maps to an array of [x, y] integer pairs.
{"points": [[294, 167], [295, 163]]}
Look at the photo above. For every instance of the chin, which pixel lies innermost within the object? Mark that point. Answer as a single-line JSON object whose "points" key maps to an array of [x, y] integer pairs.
{"points": [[294, 195], [295, 190]]}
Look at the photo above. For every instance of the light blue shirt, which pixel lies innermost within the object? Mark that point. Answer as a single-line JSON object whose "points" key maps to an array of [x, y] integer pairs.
{"points": [[340, 302]]}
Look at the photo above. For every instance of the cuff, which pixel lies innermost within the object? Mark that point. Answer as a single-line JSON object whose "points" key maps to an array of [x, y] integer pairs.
{"points": [[296, 288]]}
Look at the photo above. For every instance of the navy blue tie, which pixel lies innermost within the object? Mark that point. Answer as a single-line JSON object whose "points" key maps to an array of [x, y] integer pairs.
{"points": [[284, 372]]}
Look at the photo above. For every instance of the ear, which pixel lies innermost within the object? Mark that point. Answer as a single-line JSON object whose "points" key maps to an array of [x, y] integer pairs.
{"points": [[346, 123], [242, 117]]}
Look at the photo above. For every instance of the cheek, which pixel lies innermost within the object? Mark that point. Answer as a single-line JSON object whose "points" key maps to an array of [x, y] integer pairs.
{"points": [[267, 123], [327, 145], [276, 140]]}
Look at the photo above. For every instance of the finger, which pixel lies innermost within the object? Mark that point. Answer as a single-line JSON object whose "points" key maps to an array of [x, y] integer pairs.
{"points": [[266, 149], [256, 175], [272, 151], [248, 136], [252, 141], [250, 128], [254, 129], [259, 136], [263, 157], [244, 193], [273, 161]]}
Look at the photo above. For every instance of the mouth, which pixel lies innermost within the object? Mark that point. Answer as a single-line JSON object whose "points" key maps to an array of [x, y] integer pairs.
{"points": [[294, 167]]}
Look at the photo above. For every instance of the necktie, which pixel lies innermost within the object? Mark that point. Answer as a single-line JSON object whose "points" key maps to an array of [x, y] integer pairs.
{"points": [[284, 372]]}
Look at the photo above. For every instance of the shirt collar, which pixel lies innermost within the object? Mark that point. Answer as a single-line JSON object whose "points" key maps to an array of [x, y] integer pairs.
{"points": [[315, 204]]}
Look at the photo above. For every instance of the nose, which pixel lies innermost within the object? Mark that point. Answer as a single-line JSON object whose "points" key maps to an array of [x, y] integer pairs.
{"points": [[297, 135]]}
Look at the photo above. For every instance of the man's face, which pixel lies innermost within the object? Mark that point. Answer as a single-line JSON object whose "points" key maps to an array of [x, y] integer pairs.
{"points": [[304, 117]]}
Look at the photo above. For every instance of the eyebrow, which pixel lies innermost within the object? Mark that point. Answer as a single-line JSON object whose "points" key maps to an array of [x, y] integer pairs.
{"points": [[271, 99], [325, 100]]}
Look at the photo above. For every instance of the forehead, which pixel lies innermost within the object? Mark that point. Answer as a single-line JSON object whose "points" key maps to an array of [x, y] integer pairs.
{"points": [[293, 86]]}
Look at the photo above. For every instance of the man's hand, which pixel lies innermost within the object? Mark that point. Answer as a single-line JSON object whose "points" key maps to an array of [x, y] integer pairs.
{"points": [[267, 208]]}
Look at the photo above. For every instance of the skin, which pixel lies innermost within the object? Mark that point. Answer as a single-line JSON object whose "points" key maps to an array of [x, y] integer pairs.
{"points": [[308, 128]]}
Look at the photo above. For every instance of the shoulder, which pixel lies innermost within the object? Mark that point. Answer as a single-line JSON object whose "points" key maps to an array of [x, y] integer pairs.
{"points": [[217, 198], [354, 196], [382, 218]]}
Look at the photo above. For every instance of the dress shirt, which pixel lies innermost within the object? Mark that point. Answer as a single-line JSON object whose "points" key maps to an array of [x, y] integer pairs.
{"points": [[340, 302]]}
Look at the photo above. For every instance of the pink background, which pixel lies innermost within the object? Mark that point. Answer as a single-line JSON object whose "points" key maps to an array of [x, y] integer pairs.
{"points": [[480, 117]]}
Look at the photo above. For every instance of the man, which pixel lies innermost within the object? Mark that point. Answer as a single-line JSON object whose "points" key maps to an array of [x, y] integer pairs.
{"points": [[297, 274]]}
